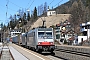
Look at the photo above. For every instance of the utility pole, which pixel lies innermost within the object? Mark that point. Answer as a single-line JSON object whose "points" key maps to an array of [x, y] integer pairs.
{"points": [[6, 19]]}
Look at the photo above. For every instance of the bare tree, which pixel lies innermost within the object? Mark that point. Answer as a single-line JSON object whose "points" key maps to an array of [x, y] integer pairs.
{"points": [[45, 7], [77, 14], [38, 10], [41, 9]]}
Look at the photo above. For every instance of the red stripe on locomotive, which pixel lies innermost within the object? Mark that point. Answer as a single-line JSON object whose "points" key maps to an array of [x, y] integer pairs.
{"points": [[45, 43]]}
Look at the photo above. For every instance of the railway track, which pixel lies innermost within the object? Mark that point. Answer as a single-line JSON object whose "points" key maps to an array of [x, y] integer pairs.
{"points": [[74, 52], [5, 53], [71, 55]]}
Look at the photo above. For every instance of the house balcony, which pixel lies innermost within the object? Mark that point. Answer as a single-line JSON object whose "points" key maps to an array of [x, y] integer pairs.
{"points": [[83, 29]]}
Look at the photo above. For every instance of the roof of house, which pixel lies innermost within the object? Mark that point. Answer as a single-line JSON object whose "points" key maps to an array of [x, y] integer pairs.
{"points": [[51, 10], [71, 39], [15, 30]]}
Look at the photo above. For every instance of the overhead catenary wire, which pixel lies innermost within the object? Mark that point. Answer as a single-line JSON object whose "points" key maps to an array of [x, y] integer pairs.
{"points": [[31, 4], [15, 4], [58, 3], [51, 2], [28, 3]]}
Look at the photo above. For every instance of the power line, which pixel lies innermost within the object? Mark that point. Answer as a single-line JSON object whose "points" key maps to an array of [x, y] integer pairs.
{"points": [[15, 4], [51, 2], [28, 3], [58, 3], [31, 4]]}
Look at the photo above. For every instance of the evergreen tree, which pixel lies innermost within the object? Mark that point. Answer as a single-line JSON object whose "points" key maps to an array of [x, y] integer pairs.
{"points": [[24, 16], [12, 24], [35, 13], [28, 16], [45, 7], [24, 22], [4, 27], [1, 25]]}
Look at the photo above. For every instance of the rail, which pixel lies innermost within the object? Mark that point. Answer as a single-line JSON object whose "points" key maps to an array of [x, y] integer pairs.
{"points": [[72, 52]]}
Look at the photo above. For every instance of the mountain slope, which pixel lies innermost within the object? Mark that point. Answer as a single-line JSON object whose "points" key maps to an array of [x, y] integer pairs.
{"points": [[51, 20]]}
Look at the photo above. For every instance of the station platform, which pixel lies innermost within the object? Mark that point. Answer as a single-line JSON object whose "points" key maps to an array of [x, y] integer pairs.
{"points": [[16, 55], [20, 53]]}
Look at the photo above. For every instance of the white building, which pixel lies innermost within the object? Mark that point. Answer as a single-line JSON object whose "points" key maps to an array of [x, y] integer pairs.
{"points": [[15, 32], [85, 29], [51, 12]]}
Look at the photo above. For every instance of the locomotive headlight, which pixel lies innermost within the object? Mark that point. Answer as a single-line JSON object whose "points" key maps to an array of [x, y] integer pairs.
{"points": [[51, 42], [39, 42]]}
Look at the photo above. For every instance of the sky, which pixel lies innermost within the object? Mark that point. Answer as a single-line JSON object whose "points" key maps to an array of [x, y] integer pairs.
{"points": [[12, 6]]}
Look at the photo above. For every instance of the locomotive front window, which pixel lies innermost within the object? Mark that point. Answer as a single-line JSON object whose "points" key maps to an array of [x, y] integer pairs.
{"points": [[45, 35], [40, 34], [49, 35]]}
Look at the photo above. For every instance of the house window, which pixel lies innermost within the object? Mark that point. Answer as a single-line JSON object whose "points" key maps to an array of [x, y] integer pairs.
{"points": [[58, 36]]}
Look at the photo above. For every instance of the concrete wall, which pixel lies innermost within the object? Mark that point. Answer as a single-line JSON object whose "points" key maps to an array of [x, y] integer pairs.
{"points": [[81, 37]]}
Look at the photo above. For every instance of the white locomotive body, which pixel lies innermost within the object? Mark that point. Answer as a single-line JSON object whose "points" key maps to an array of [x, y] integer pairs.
{"points": [[23, 39], [40, 39]]}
